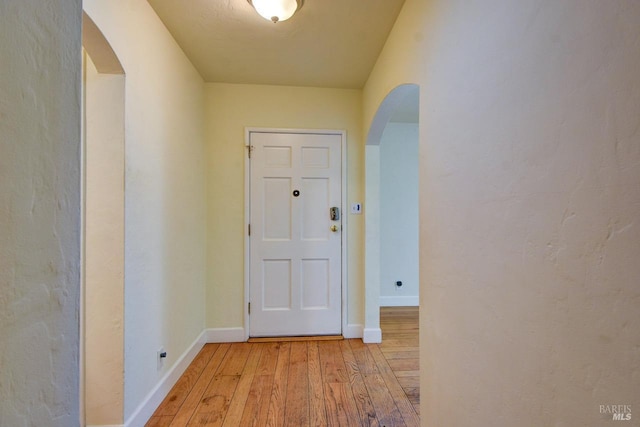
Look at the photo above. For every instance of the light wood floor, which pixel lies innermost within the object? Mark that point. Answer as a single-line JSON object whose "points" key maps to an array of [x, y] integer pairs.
{"points": [[312, 383], [400, 347]]}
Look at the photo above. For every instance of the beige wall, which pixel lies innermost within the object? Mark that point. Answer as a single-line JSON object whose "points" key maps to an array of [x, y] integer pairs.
{"points": [[104, 245], [39, 212], [165, 203], [530, 164], [229, 109], [401, 60]]}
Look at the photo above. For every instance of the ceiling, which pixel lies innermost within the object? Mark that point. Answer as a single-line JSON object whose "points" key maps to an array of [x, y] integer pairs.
{"points": [[327, 43]]}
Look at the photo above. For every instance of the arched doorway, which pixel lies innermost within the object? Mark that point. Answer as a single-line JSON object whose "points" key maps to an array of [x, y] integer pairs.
{"points": [[401, 105], [102, 303]]}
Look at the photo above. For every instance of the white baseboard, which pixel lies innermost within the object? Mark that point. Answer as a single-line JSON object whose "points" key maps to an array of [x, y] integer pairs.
{"points": [[145, 410], [225, 335], [353, 330], [148, 406], [399, 301], [372, 335]]}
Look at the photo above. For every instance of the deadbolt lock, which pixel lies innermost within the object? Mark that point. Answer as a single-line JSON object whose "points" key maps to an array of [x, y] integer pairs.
{"points": [[334, 213]]}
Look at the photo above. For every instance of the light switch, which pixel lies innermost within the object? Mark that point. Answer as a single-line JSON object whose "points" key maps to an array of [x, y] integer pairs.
{"points": [[356, 208]]}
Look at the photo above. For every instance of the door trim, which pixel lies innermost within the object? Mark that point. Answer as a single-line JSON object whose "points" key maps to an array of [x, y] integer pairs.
{"points": [[247, 211]]}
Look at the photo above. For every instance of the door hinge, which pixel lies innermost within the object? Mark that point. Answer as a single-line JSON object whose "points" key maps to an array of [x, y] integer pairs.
{"points": [[249, 150], [249, 308], [249, 229]]}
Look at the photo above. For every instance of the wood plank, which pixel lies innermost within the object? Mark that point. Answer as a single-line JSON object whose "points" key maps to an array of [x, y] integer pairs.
{"points": [[341, 407], [413, 394], [404, 364], [389, 332], [365, 361], [297, 402], [192, 401], [317, 411], [358, 388], [403, 334], [414, 354], [401, 323], [269, 359], [279, 390], [238, 403], [256, 409], [400, 374], [409, 382], [386, 350], [416, 407], [408, 414], [386, 410], [159, 421], [399, 342], [235, 359], [400, 326], [411, 320], [332, 364], [215, 402], [183, 386]]}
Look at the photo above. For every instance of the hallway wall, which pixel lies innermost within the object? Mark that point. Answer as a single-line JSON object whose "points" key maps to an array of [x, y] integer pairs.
{"points": [[229, 109], [39, 212], [529, 201], [399, 231], [164, 193], [103, 290]]}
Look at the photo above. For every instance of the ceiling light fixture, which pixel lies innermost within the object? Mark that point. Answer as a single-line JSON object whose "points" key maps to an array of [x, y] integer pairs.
{"points": [[276, 10]]}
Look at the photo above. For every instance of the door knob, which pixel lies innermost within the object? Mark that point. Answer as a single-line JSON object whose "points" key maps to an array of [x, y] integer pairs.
{"points": [[334, 228]]}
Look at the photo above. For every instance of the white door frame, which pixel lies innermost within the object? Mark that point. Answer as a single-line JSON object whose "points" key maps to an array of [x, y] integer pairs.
{"points": [[247, 211]]}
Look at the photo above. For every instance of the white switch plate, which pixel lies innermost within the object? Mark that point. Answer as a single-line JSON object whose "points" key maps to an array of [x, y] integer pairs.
{"points": [[356, 208]]}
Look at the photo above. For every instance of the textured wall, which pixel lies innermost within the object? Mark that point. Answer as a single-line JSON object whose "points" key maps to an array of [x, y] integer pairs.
{"points": [[530, 206], [39, 212]]}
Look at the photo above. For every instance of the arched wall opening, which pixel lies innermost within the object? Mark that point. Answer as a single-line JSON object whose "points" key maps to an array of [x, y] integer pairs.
{"points": [[102, 303], [401, 105]]}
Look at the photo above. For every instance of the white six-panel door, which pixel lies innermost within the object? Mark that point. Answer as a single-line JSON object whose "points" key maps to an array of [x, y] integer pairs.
{"points": [[295, 247]]}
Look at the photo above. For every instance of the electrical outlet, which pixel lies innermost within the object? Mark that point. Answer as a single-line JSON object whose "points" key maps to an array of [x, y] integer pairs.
{"points": [[161, 355]]}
